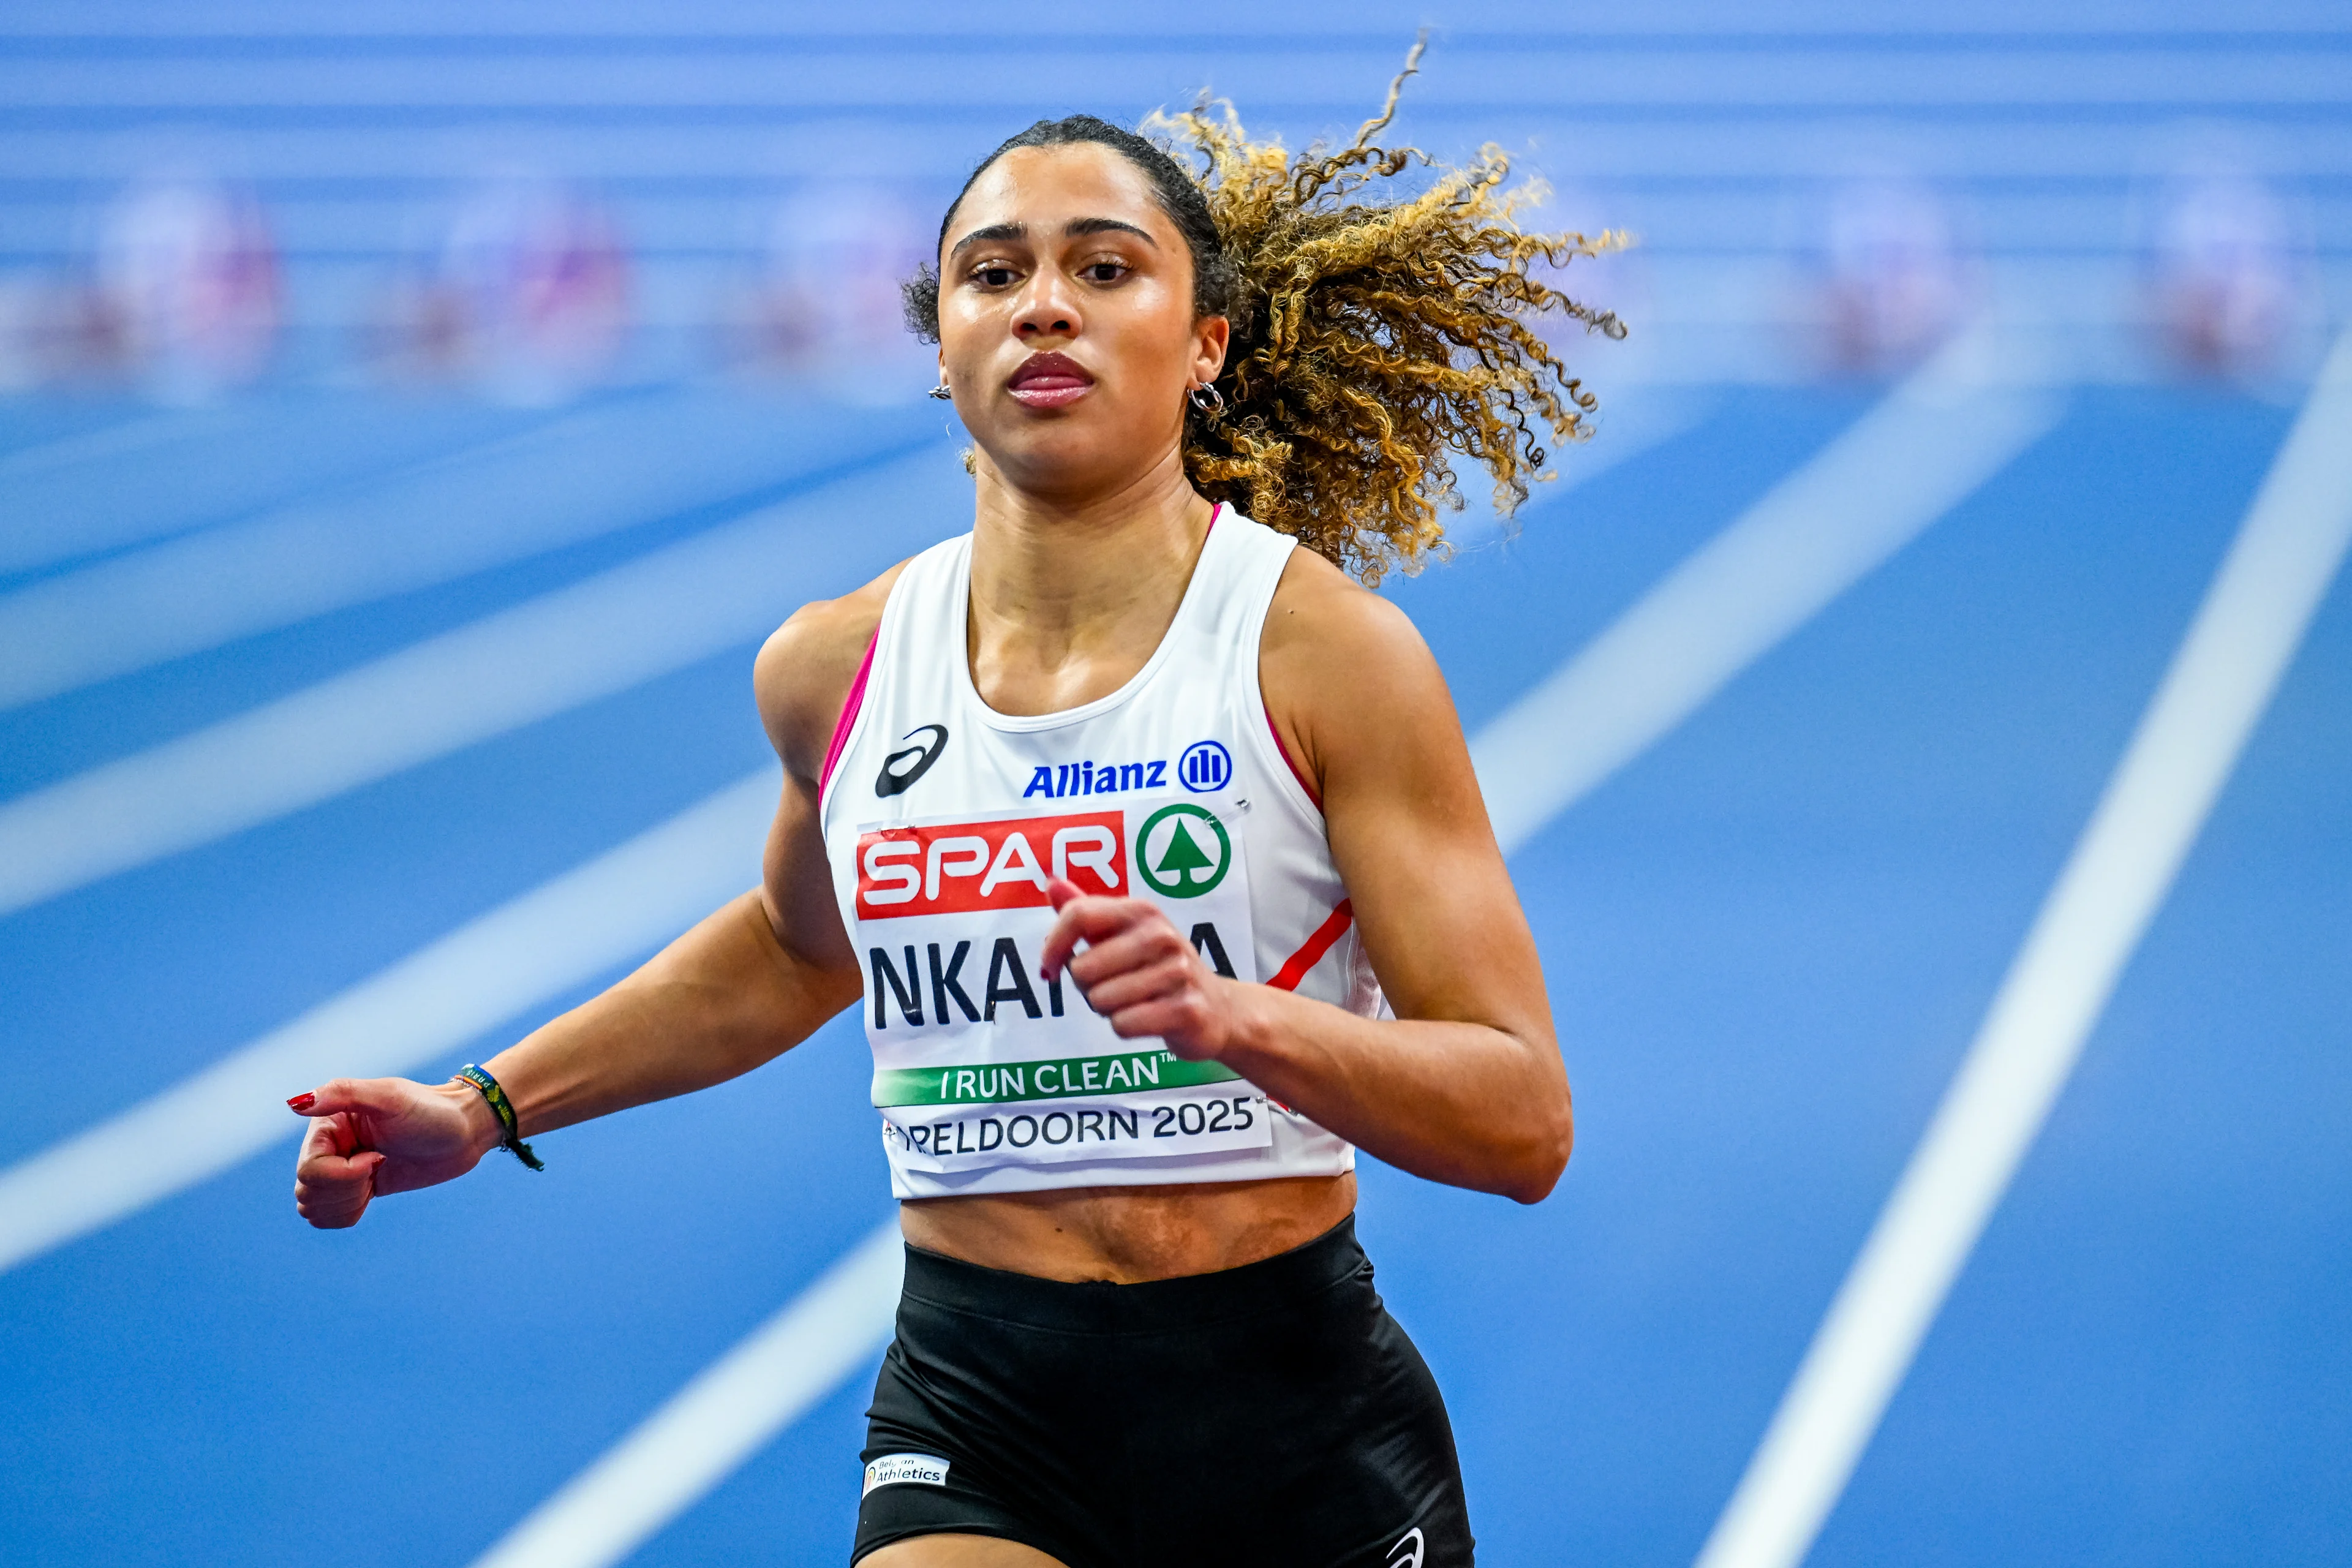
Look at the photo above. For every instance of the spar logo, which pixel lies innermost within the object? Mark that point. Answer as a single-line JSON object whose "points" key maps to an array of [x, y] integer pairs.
{"points": [[965, 867], [1183, 852]]}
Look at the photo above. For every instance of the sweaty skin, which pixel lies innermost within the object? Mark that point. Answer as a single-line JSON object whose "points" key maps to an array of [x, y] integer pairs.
{"points": [[1086, 533]]}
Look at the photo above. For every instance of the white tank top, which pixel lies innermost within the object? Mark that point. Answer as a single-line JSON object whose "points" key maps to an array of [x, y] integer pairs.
{"points": [[943, 820]]}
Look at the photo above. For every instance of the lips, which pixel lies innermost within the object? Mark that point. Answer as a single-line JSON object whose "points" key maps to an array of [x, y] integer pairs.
{"points": [[1050, 380]]}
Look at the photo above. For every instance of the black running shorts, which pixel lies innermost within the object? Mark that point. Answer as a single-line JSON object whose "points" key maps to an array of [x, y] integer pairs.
{"points": [[1270, 1413]]}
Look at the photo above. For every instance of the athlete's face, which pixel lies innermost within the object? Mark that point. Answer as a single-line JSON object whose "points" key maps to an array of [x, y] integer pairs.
{"points": [[1066, 329]]}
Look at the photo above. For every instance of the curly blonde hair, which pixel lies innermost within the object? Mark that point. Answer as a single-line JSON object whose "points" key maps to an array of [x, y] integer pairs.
{"points": [[1372, 341]]}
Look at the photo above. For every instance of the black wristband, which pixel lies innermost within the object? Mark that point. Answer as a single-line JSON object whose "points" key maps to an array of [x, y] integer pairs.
{"points": [[504, 1109]]}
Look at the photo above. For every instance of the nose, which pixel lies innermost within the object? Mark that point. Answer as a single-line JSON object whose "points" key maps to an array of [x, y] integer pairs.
{"points": [[1047, 310]]}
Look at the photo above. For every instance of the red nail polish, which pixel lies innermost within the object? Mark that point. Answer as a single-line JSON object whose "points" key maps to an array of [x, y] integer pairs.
{"points": [[302, 1102]]}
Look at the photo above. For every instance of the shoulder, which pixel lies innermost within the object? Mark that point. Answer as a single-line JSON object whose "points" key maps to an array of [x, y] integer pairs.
{"points": [[1343, 668], [1319, 611], [805, 670]]}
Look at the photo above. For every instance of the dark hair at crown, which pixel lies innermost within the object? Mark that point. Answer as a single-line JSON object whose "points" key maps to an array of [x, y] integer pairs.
{"points": [[1214, 276]]}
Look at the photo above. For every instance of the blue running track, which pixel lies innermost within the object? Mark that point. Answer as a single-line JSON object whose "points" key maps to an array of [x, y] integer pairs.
{"points": [[1769, 938], [1768, 942]]}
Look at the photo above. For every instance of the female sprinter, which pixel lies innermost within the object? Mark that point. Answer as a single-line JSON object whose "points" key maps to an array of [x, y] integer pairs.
{"points": [[1148, 846]]}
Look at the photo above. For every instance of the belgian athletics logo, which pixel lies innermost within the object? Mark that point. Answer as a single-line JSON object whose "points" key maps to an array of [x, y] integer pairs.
{"points": [[1183, 852]]}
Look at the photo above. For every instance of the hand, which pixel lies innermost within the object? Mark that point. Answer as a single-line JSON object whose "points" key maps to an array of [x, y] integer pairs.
{"points": [[377, 1135], [1139, 971]]}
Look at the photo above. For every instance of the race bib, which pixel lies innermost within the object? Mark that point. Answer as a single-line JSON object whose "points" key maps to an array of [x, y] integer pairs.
{"points": [[979, 1060]]}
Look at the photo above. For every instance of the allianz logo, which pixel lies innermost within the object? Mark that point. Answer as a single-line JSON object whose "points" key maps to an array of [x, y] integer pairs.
{"points": [[1096, 778], [1204, 767]]}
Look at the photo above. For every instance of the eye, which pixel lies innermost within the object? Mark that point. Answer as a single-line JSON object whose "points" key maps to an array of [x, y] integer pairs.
{"points": [[1104, 271], [993, 274]]}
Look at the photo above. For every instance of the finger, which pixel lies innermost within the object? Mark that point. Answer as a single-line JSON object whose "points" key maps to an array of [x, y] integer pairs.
{"points": [[375, 1096], [329, 1135], [1146, 942], [340, 1216], [1136, 986], [1069, 930], [334, 1191], [316, 1201], [1087, 920], [1177, 1019], [1095, 917], [328, 1168], [333, 1171]]}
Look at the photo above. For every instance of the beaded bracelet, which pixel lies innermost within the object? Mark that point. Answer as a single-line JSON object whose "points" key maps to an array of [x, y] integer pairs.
{"points": [[512, 1143]]}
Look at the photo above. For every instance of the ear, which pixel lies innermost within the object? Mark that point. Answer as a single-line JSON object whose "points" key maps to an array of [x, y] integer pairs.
{"points": [[1211, 336]]}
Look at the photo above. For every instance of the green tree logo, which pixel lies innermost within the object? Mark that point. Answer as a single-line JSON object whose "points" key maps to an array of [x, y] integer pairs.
{"points": [[1183, 852]]}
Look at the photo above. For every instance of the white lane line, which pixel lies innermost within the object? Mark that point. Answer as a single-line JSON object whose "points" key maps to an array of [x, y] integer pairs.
{"points": [[558, 935], [1932, 441], [658, 613], [2245, 632], [176, 472], [1909, 460], [731, 1411], [108, 442], [580, 477]]}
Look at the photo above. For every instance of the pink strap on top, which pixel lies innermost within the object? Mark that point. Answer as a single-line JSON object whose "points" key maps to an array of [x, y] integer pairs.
{"points": [[849, 707], [1295, 771]]}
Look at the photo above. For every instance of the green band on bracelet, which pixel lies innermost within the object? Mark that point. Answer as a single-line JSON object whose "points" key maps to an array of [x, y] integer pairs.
{"points": [[504, 1109]]}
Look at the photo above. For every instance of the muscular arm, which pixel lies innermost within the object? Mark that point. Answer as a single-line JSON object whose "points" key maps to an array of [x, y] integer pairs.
{"points": [[756, 977], [747, 984], [1466, 1085], [737, 991]]}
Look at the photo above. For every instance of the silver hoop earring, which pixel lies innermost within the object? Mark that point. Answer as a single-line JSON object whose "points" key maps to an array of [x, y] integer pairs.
{"points": [[1212, 404], [942, 392]]}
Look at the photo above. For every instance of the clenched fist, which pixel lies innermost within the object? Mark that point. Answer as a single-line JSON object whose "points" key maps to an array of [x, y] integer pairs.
{"points": [[1138, 970], [377, 1135]]}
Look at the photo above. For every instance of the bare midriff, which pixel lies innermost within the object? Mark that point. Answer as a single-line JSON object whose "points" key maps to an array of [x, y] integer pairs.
{"points": [[1128, 1235]]}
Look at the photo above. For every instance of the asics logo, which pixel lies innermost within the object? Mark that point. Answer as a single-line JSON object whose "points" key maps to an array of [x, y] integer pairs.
{"points": [[894, 779], [1406, 1554]]}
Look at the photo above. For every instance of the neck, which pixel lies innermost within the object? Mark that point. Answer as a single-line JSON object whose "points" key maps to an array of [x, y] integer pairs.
{"points": [[1069, 597]]}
